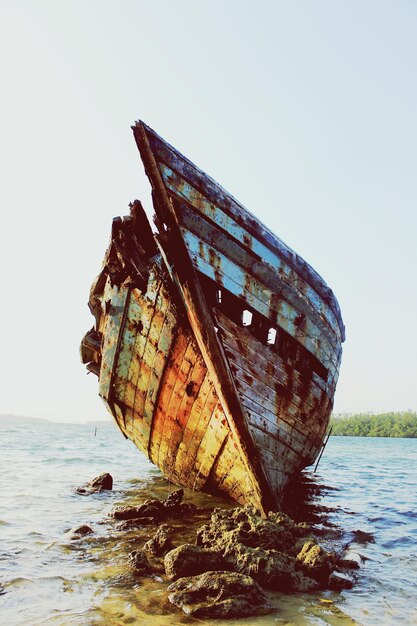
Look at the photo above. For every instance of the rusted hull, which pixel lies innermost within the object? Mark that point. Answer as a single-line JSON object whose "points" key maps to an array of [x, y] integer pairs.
{"points": [[216, 346]]}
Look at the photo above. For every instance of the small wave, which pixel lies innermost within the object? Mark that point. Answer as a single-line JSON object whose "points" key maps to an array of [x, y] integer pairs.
{"points": [[400, 541], [411, 514], [20, 581]]}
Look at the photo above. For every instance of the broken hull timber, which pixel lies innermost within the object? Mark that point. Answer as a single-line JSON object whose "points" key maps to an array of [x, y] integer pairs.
{"points": [[216, 346]]}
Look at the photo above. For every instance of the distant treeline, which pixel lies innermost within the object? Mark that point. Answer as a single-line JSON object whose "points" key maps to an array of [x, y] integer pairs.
{"points": [[402, 424]]}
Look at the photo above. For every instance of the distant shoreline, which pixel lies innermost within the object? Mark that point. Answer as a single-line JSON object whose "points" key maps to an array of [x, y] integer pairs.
{"points": [[395, 425], [24, 418]]}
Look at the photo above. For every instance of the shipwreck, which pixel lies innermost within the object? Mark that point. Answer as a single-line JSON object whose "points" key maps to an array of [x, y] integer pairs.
{"points": [[217, 347]]}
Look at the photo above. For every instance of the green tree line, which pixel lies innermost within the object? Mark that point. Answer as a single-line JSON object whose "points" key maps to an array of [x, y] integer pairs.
{"points": [[401, 424]]}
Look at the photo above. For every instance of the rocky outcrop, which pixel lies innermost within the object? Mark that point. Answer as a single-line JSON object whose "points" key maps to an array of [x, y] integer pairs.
{"points": [[153, 511], [160, 543], [237, 554], [338, 581], [363, 537], [190, 560], [219, 595], [104, 482], [79, 531], [277, 552], [315, 562], [138, 561]]}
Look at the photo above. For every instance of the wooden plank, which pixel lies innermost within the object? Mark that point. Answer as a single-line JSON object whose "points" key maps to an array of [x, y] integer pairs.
{"points": [[146, 303], [256, 277], [177, 395], [276, 376], [126, 351], [283, 419], [227, 274], [210, 446], [116, 298], [271, 394], [223, 465], [279, 425], [282, 408], [148, 385], [168, 381], [155, 306], [170, 422], [202, 410], [265, 265], [165, 342], [184, 409], [135, 432], [221, 198], [282, 454], [282, 430], [240, 340]]}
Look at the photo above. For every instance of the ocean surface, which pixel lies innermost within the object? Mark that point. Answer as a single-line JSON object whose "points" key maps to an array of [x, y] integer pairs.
{"points": [[367, 485]]}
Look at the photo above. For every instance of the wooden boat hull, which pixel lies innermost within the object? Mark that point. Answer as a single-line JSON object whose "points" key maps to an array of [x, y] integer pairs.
{"points": [[217, 348]]}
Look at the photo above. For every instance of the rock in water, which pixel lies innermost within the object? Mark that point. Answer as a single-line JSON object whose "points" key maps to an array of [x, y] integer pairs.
{"points": [[189, 560], [79, 531], [219, 595], [153, 509], [338, 581], [315, 562], [104, 482], [261, 548], [153, 512], [362, 537], [160, 543], [138, 561], [174, 499]]}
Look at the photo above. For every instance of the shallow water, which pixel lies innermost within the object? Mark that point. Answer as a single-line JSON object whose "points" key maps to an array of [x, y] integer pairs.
{"points": [[367, 485]]}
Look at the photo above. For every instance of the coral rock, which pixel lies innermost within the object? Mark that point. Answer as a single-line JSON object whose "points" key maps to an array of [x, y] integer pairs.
{"points": [[190, 560], [139, 563], [315, 562], [219, 595], [161, 543]]}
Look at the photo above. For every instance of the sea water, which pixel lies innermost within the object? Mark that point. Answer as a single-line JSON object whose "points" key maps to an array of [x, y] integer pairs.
{"points": [[366, 484]]}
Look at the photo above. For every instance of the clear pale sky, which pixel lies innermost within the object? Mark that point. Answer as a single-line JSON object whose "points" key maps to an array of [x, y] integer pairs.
{"points": [[305, 111]]}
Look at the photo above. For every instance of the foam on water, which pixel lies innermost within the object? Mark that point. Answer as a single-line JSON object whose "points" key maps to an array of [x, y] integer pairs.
{"points": [[46, 578]]}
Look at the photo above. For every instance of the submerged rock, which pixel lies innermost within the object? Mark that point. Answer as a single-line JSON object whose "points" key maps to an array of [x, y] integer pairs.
{"points": [[174, 499], [350, 561], [79, 531], [149, 509], [137, 522], [153, 511], [104, 482], [219, 595], [315, 562], [160, 543], [138, 561], [338, 581], [189, 560], [363, 537]]}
